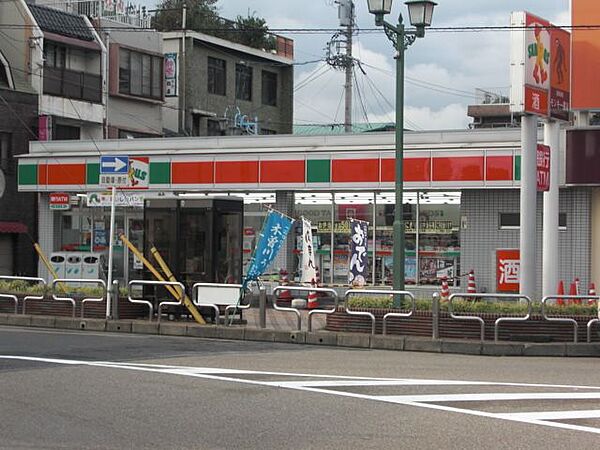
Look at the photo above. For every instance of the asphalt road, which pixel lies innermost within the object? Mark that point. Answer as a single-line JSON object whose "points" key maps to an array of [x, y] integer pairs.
{"points": [[62, 389]]}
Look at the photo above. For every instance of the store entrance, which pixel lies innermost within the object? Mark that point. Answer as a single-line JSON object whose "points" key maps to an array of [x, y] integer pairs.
{"points": [[200, 239]]}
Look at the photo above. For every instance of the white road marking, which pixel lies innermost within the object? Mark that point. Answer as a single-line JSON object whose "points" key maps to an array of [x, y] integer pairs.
{"points": [[420, 401]]}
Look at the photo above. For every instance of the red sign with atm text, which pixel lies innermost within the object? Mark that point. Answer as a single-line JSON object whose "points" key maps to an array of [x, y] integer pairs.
{"points": [[543, 168]]}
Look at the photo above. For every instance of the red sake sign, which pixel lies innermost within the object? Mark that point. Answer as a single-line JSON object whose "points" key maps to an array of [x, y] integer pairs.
{"points": [[508, 264], [543, 168]]}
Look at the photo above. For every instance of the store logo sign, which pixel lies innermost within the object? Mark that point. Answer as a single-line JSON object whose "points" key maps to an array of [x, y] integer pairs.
{"points": [[122, 199], [139, 173], [60, 201]]}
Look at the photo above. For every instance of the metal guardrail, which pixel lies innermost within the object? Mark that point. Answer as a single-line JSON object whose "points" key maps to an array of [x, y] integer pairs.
{"points": [[391, 314], [99, 282], [14, 299], [312, 312], [216, 288], [351, 292], [130, 299], [65, 281], [567, 319], [27, 297], [500, 319]]}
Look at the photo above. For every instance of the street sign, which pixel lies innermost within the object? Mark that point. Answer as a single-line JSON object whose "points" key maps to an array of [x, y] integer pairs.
{"points": [[112, 165]]}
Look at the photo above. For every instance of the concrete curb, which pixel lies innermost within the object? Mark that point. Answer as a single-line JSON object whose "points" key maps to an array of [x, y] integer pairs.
{"points": [[332, 339]]}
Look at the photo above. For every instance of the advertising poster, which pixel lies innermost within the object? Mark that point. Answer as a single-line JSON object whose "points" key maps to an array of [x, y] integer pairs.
{"points": [[309, 268], [170, 74]]}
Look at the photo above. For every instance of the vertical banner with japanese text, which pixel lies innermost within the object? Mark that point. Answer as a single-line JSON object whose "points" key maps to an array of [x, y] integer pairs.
{"points": [[274, 231], [359, 260], [508, 263], [309, 269], [543, 168]]}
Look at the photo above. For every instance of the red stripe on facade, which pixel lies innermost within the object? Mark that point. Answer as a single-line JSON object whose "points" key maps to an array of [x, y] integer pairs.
{"points": [[42, 174], [355, 171], [282, 171], [236, 172], [458, 168], [499, 168], [65, 174], [192, 172], [415, 169]]}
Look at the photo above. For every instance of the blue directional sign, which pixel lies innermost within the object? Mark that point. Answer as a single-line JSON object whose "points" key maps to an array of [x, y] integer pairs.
{"points": [[114, 164]]}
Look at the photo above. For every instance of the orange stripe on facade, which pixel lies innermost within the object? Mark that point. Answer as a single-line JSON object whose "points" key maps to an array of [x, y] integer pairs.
{"points": [[42, 174], [354, 170], [192, 172], [282, 171], [414, 169], [236, 172], [499, 168], [469, 168], [65, 174]]}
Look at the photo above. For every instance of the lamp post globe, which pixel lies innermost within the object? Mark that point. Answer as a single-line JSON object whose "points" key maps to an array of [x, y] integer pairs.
{"points": [[420, 12], [382, 7]]}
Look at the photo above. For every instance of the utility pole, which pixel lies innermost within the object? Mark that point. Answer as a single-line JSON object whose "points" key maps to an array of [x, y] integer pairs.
{"points": [[339, 55], [182, 67]]}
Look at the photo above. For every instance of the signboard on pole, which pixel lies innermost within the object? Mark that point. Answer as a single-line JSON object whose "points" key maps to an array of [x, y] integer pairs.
{"points": [[60, 201], [508, 265], [170, 74], [540, 73], [543, 168], [125, 172], [359, 261]]}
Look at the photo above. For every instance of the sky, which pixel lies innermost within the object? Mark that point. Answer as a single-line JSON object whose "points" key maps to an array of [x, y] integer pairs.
{"points": [[443, 70]]}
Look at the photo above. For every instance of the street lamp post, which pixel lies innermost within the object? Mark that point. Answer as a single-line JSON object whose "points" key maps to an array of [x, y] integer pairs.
{"points": [[420, 14]]}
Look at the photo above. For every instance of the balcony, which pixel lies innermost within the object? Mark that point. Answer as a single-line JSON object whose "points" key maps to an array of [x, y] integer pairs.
{"points": [[73, 84]]}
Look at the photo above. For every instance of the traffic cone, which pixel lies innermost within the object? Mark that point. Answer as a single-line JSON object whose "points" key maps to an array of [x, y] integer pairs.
{"points": [[285, 294], [445, 292], [592, 291], [572, 291], [313, 300], [471, 286], [560, 292]]}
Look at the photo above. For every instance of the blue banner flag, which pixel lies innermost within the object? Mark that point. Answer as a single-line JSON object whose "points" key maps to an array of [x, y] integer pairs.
{"points": [[274, 232]]}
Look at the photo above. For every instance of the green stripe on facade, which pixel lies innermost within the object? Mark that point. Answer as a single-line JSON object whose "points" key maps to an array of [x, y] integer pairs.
{"points": [[318, 171], [92, 173], [28, 174], [517, 167], [160, 173]]}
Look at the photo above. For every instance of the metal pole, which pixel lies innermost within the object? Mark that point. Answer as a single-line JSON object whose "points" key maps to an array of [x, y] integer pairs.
{"points": [[262, 306], [528, 204], [110, 251], [551, 211], [374, 250], [115, 310], [398, 212], [435, 316]]}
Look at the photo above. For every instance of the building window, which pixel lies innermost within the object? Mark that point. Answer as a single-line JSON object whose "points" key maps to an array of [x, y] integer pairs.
{"points": [[512, 221], [269, 88], [5, 152], [55, 55], [216, 76], [66, 133], [243, 82], [140, 74]]}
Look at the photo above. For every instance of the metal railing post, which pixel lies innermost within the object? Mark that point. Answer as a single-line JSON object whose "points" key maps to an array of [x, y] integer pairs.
{"points": [[435, 316], [115, 299], [262, 306], [566, 319]]}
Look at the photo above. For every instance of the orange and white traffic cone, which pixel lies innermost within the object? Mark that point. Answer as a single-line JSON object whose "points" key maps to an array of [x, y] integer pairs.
{"points": [[445, 292], [560, 292], [572, 291], [471, 286], [313, 299], [592, 292], [285, 294]]}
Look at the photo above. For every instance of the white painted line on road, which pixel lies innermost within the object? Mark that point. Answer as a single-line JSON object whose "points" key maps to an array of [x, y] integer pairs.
{"points": [[555, 415], [420, 401], [493, 396]]}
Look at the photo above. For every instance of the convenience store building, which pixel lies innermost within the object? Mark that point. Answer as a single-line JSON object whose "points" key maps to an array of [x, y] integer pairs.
{"points": [[461, 201]]}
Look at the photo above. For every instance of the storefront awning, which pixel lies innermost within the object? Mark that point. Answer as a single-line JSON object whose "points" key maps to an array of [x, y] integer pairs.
{"points": [[12, 227]]}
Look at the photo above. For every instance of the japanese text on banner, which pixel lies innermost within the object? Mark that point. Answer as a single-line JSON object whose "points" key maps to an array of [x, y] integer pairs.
{"points": [[359, 261]]}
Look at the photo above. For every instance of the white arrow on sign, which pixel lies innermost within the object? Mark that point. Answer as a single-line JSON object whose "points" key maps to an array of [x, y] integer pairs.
{"points": [[116, 165]]}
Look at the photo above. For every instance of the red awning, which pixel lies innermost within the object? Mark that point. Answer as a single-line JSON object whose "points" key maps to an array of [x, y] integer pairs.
{"points": [[12, 227]]}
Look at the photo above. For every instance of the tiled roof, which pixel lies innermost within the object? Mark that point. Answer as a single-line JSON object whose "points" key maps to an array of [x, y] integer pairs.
{"points": [[60, 22]]}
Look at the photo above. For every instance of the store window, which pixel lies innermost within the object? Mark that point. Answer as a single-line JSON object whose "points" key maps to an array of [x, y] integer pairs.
{"points": [[243, 82], [217, 77]]}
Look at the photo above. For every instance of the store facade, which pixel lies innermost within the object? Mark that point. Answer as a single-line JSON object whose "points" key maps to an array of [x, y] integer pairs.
{"points": [[461, 195]]}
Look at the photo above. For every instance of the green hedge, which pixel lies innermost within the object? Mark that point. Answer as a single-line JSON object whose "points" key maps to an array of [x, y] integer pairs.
{"points": [[21, 287], [505, 308]]}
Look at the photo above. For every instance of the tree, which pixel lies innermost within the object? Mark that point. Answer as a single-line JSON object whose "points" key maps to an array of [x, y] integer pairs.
{"points": [[202, 16]]}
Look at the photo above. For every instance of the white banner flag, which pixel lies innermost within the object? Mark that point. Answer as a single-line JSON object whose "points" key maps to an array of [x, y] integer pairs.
{"points": [[309, 269]]}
